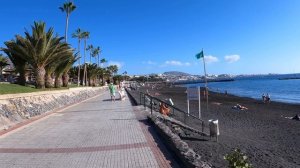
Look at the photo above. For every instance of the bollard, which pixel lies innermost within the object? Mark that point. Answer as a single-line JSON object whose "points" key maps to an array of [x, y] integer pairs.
{"points": [[214, 128]]}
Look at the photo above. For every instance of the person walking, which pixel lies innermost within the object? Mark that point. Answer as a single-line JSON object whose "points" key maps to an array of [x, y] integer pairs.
{"points": [[263, 98], [112, 91], [268, 98]]}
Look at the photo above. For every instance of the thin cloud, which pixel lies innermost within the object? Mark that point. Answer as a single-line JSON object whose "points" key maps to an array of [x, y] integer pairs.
{"points": [[149, 62], [176, 63], [210, 59], [231, 58]]}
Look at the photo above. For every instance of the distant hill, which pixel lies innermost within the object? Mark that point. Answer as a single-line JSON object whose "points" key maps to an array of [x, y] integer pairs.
{"points": [[176, 73]]}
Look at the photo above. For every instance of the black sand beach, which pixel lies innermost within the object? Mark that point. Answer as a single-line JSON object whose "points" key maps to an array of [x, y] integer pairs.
{"points": [[262, 132]]}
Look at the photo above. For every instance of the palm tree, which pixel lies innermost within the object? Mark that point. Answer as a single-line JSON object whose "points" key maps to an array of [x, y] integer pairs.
{"points": [[117, 79], [113, 69], [67, 7], [62, 68], [95, 53], [85, 35], [79, 35], [65, 76], [104, 73], [92, 73], [51, 68], [90, 48], [73, 72], [3, 63], [103, 60], [39, 49], [19, 62], [124, 75]]}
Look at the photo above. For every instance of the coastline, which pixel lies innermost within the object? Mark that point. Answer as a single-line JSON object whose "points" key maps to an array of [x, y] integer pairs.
{"points": [[262, 132], [281, 91]]}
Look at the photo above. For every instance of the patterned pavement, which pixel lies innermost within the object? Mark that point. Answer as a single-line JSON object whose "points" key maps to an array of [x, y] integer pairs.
{"points": [[95, 133]]}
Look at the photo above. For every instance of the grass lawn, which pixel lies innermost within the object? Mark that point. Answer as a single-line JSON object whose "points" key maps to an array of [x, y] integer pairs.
{"points": [[14, 88]]}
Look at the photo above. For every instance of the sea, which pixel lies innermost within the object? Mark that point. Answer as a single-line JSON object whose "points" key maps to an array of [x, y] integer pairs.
{"points": [[287, 91]]}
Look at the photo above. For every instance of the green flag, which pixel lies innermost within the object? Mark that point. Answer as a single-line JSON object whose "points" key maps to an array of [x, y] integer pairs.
{"points": [[200, 55]]}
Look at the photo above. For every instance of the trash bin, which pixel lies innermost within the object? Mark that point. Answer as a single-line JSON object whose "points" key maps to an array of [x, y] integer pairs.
{"points": [[214, 128]]}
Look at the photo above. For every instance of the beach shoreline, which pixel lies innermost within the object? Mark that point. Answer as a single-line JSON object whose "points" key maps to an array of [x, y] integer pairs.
{"points": [[263, 132]]}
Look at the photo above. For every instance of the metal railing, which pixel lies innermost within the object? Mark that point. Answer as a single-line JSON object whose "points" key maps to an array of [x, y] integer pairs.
{"points": [[153, 103]]}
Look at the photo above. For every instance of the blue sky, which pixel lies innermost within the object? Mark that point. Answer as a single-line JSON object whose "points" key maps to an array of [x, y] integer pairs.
{"points": [[154, 36]]}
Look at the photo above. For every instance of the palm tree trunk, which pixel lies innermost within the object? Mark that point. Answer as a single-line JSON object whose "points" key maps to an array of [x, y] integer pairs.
{"points": [[58, 81], [49, 81], [90, 58], [66, 30], [1, 72], [78, 78], [40, 77], [98, 61], [84, 71], [22, 71], [65, 78], [103, 80]]}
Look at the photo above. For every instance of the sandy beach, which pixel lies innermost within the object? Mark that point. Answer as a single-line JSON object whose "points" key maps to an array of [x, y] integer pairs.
{"points": [[263, 132]]}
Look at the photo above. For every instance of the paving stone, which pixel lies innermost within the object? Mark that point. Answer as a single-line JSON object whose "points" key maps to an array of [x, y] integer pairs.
{"points": [[95, 133]]}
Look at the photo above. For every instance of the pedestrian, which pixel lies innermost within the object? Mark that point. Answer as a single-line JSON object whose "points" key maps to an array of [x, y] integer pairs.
{"points": [[112, 91], [263, 98], [122, 91], [164, 109], [268, 98]]}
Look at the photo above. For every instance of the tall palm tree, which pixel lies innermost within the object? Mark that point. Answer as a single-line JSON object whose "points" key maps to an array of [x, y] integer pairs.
{"points": [[103, 60], [90, 48], [85, 35], [67, 7], [79, 35], [96, 54]]}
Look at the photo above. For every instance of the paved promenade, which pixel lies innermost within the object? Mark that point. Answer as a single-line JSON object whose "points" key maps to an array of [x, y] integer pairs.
{"points": [[93, 134]]}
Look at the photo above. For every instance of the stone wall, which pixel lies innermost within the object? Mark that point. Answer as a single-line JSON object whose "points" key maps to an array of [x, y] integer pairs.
{"points": [[181, 149], [16, 108]]}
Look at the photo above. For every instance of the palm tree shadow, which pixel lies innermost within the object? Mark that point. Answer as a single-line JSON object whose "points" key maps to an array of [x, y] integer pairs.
{"points": [[106, 100]]}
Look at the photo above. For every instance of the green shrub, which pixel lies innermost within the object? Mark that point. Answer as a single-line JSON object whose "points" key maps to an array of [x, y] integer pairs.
{"points": [[237, 159]]}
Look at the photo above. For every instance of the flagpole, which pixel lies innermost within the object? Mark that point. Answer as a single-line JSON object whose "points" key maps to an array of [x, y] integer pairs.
{"points": [[206, 90]]}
